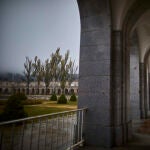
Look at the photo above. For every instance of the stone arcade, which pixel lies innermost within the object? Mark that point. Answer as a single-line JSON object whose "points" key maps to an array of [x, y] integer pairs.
{"points": [[114, 68]]}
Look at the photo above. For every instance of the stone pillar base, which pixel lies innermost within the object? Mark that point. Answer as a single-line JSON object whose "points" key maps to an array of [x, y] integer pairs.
{"points": [[103, 136], [97, 135], [122, 134]]}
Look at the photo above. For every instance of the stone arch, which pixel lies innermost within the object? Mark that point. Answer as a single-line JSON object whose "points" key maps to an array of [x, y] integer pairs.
{"points": [[134, 13], [14, 90], [120, 83], [6, 91], [43, 91], [18, 90], [59, 91], [23, 90], [66, 91], [33, 91], [132, 17], [77, 91], [72, 91], [1, 90], [48, 91]]}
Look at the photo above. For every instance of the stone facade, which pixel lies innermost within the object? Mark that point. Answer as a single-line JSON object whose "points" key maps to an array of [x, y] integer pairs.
{"points": [[13, 87]]}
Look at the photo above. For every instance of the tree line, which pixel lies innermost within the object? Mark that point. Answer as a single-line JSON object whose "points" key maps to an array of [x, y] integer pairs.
{"points": [[57, 68]]}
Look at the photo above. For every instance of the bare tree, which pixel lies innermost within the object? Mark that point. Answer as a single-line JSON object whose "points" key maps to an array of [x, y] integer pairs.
{"points": [[47, 74], [38, 69], [64, 69], [71, 72], [55, 67], [28, 72]]}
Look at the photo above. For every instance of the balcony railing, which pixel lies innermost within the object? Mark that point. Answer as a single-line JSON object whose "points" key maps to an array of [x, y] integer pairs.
{"points": [[57, 131]]}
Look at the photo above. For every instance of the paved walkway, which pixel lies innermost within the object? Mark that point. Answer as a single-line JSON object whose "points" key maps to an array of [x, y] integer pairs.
{"points": [[140, 141]]}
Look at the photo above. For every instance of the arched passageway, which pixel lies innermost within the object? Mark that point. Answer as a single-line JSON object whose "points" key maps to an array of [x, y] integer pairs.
{"points": [[59, 91], [43, 90], [109, 40], [1, 90], [6, 91], [33, 91], [23, 90], [72, 91], [18, 90], [66, 91]]}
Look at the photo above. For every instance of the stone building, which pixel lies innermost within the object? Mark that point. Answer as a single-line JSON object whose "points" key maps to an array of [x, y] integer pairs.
{"points": [[20, 87], [114, 72], [114, 68]]}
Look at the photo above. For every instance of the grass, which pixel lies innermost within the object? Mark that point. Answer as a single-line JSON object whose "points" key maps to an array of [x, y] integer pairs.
{"points": [[47, 107]]}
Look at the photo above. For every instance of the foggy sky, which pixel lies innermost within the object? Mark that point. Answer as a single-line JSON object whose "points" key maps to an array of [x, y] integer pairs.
{"points": [[37, 28]]}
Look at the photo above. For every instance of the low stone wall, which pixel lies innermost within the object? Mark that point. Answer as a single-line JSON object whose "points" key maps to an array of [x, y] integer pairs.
{"points": [[43, 97], [4, 97]]}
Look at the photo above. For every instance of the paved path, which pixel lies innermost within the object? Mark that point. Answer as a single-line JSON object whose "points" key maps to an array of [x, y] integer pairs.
{"points": [[140, 141]]}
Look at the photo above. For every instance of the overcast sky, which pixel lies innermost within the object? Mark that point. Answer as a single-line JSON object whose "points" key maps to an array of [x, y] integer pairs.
{"points": [[36, 28]]}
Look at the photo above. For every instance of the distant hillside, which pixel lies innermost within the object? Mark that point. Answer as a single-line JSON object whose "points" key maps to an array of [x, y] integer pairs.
{"points": [[12, 77], [16, 77]]}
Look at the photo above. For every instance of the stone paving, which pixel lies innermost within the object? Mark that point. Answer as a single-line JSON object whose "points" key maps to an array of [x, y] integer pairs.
{"points": [[140, 140]]}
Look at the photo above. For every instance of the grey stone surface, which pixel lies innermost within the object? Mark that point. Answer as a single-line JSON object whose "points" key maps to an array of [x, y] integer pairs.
{"points": [[104, 81], [92, 22], [94, 8], [142, 91], [149, 92], [134, 78], [98, 135], [94, 53], [95, 68], [94, 79], [95, 37], [116, 90]]}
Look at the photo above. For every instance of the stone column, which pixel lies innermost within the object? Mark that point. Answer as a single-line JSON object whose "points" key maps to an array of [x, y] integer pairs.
{"points": [[94, 73], [134, 79], [119, 82], [146, 90], [149, 89], [142, 91], [116, 83]]}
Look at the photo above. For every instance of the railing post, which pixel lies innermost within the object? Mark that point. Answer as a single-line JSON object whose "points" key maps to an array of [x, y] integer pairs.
{"points": [[1, 139], [22, 137]]}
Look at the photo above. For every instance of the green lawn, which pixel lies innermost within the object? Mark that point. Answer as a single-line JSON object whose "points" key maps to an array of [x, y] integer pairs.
{"points": [[38, 110], [47, 107]]}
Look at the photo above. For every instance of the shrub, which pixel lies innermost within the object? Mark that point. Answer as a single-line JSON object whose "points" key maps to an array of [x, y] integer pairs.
{"points": [[53, 97], [3, 102], [73, 97], [13, 109], [62, 99], [21, 96]]}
